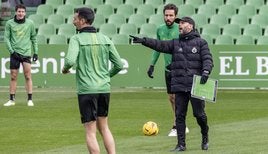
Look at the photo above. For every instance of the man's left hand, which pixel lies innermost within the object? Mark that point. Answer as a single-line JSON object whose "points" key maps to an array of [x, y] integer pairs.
{"points": [[35, 57], [204, 77]]}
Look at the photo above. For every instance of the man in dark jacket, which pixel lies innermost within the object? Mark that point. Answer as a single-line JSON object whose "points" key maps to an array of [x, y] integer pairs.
{"points": [[190, 56]]}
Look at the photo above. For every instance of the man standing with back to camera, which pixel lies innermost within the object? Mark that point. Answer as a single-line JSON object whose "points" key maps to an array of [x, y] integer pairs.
{"points": [[167, 31], [20, 36], [190, 56], [91, 52]]}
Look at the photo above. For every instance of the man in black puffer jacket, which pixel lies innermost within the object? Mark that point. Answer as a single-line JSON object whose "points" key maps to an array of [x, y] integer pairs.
{"points": [[190, 56]]}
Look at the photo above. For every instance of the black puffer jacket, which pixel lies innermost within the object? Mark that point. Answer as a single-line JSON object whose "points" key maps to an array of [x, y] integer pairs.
{"points": [[190, 55]]}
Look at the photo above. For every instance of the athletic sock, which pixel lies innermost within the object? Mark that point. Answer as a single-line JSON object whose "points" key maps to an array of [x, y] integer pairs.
{"points": [[30, 96], [174, 127], [12, 97]]}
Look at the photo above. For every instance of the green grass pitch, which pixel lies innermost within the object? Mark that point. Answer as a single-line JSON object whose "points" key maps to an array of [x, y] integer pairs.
{"points": [[238, 123]]}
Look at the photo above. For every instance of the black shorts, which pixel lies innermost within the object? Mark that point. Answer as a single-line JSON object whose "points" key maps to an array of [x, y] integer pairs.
{"points": [[92, 106], [15, 61], [168, 81]]}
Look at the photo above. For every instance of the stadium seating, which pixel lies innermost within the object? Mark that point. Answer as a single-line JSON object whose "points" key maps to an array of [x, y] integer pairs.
{"points": [[105, 9], [239, 19], [57, 39], [67, 30], [178, 3], [263, 10], [114, 3], [200, 20], [256, 3], [262, 40], [208, 38], [156, 19], [154, 3], [244, 40], [37, 19], [211, 29], [215, 3], [128, 29], [94, 3], [117, 20], [253, 30], [186, 10], [108, 29], [70, 19], [219, 19], [44, 10], [146, 10], [120, 39], [134, 3], [233, 30], [228, 10], [194, 3], [74, 2], [235, 3], [65, 10], [207, 9], [55, 3], [46, 30], [260, 19], [148, 30], [137, 19], [41, 39], [160, 9], [99, 20], [224, 40], [248, 10], [126, 10], [56, 20]]}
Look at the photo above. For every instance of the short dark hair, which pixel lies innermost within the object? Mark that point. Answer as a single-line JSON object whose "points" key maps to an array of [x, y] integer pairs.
{"points": [[86, 13], [20, 6], [171, 6]]}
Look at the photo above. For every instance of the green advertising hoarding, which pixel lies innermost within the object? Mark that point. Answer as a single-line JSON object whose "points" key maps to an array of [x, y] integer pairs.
{"points": [[235, 66]]}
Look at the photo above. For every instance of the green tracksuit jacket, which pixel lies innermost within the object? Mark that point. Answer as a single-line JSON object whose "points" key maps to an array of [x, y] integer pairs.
{"points": [[21, 37], [91, 53], [165, 32]]}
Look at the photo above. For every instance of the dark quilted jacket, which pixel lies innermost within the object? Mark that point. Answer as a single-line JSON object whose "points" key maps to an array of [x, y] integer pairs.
{"points": [[190, 55]]}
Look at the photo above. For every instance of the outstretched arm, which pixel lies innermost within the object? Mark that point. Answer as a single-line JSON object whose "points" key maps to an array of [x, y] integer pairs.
{"points": [[157, 45]]}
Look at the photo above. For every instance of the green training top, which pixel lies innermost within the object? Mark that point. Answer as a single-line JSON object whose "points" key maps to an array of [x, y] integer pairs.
{"points": [[91, 53], [165, 32], [21, 37]]}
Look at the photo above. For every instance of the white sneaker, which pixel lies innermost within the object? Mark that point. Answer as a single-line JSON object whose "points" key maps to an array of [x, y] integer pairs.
{"points": [[10, 103], [173, 132], [187, 130], [30, 103]]}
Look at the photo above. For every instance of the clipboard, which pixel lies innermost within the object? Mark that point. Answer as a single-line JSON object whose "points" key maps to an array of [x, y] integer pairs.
{"points": [[207, 92]]}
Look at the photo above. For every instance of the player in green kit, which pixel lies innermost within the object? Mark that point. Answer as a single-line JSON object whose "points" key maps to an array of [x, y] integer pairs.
{"points": [[91, 52], [20, 37], [167, 31]]}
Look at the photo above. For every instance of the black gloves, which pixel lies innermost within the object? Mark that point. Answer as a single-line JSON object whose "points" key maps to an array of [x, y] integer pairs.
{"points": [[150, 71], [35, 57], [204, 77], [137, 39]]}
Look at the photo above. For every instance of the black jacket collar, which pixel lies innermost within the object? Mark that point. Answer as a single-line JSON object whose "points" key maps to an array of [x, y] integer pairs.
{"points": [[190, 35], [21, 21], [89, 29]]}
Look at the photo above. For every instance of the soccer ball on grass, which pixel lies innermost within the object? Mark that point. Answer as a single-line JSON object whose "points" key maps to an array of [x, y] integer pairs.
{"points": [[150, 128]]}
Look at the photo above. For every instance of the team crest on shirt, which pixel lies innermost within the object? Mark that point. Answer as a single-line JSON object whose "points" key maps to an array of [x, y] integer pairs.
{"points": [[194, 50]]}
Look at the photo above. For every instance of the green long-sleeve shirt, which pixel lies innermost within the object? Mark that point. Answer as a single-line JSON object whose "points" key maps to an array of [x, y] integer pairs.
{"points": [[91, 53], [165, 32], [21, 37]]}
